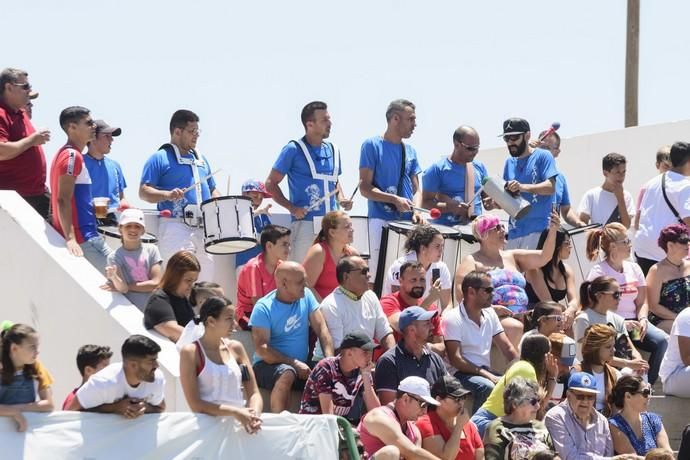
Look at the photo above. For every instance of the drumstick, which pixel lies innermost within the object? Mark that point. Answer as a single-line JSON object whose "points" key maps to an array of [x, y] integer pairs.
{"points": [[316, 204], [185, 190], [228, 185], [434, 213], [355, 192], [479, 190]]}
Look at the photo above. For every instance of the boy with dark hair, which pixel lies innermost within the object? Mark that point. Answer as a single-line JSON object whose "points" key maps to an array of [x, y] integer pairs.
{"points": [[90, 359], [609, 202]]}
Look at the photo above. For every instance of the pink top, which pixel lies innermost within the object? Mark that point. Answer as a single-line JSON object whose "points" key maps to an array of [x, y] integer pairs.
{"points": [[631, 278], [372, 444], [327, 281]]}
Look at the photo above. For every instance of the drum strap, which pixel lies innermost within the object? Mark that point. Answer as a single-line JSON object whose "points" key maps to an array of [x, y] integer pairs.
{"points": [[402, 168], [194, 163], [469, 187], [326, 178]]}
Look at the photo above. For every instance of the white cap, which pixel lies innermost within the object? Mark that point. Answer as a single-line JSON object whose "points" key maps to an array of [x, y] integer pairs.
{"points": [[132, 216], [419, 387]]}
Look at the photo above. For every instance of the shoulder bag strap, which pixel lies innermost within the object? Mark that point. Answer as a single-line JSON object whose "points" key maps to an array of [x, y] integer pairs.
{"points": [[673, 210]]}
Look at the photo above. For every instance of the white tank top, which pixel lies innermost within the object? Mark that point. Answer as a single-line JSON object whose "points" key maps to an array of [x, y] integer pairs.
{"points": [[221, 383]]}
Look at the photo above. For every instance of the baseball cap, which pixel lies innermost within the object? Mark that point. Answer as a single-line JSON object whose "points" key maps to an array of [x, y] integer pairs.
{"points": [[582, 381], [254, 185], [448, 386], [568, 350], [417, 386], [103, 127], [132, 216], [514, 126], [357, 339], [414, 314]]}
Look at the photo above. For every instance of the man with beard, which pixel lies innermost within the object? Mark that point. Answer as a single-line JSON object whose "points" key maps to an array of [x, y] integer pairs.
{"points": [[530, 172], [176, 177], [131, 388], [412, 288], [312, 167]]}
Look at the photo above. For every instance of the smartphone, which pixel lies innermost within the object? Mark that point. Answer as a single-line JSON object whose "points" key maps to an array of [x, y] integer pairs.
{"points": [[435, 274]]}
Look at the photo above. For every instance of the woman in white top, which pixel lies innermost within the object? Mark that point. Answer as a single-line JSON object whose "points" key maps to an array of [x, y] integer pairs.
{"points": [[212, 369]]}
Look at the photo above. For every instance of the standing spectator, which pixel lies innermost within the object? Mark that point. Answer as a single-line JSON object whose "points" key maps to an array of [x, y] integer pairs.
{"points": [[611, 202], [168, 309], [668, 281], [107, 179], [212, 369], [342, 384], [410, 357], [446, 429], [280, 324], [352, 307], [666, 201], [90, 359], [73, 210], [22, 161], [663, 164], [131, 388], [134, 269], [255, 190], [470, 330], [389, 175], [257, 277], [634, 430], [530, 173], [312, 167], [598, 346], [632, 305], [445, 182], [178, 179], [24, 385], [675, 368]]}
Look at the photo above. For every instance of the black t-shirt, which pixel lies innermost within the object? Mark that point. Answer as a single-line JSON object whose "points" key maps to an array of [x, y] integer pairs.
{"points": [[162, 307]]}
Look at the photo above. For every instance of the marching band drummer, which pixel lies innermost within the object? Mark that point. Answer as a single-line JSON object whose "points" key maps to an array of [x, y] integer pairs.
{"points": [[167, 175], [312, 167]]}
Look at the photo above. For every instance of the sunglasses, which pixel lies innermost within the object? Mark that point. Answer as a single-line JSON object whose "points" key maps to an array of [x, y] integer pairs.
{"points": [[626, 242], [558, 318], [457, 398], [363, 271], [616, 294], [422, 404], [471, 148], [24, 86], [683, 239], [581, 397], [511, 137], [488, 290], [646, 393], [532, 401]]}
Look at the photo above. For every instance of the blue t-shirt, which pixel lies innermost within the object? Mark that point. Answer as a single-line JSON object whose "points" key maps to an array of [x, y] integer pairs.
{"points": [[533, 169], [288, 323], [260, 221], [107, 179], [448, 178], [384, 159], [305, 190], [562, 196], [163, 172]]}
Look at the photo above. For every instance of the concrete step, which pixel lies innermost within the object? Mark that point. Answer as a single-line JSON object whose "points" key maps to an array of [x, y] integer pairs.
{"points": [[675, 414]]}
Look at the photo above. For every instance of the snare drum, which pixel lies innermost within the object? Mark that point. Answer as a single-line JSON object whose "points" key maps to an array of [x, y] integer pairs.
{"points": [[113, 237], [228, 225], [360, 226]]}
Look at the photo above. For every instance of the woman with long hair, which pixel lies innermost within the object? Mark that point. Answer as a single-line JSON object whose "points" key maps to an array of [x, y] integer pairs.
{"points": [[168, 309], [612, 239], [333, 242], [545, 319], [215, 372], [598, 345]]}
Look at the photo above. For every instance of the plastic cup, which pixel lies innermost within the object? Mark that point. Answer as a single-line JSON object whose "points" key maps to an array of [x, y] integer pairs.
{"points": [[635, 334], [100, 206]]}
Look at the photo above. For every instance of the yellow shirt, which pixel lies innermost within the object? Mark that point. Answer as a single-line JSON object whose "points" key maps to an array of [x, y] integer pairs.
{"points": [[494, 403], [45, 380]]}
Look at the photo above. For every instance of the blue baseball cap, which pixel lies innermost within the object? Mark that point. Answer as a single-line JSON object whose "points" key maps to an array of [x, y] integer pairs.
{"points": [[414, 314], [584, 382]]}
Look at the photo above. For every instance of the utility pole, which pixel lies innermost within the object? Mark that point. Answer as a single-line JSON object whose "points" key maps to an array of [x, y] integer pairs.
{"points": [[632, 62]]}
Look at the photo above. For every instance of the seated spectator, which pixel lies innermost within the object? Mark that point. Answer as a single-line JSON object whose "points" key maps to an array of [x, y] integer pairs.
{"points": [[424, 244], [545, 318], [613, 240], [389, 432], [610, 202], [134, 269], [411, 293], [469, 331], [598, 345], [131, 388], [446, 429], [663, 164], [24, 384], [634, 430], [280, 324], [555, 281], [257, 277], [90, 359], [342, 384], [600, 298], [684, 449], [201, 291], [536, 364], [518, 434], [668, 281], [255, 190], [212, 368], [661, 454], [332, 243], [410, 357], [168, 310], [564, 348], [675, 368], [352, 307]]}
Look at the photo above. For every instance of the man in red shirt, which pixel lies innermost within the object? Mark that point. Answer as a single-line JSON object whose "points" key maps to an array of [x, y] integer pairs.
{"points": [[22, 161]]}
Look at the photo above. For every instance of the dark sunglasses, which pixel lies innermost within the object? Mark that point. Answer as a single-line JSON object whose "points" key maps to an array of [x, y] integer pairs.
{"points": [[422, 404], [488, 290], [581, 397], [615, 294], [683, 239], [363, 271], [647, 392], [471, 148], [457, 398], [24, 86], [532, 401], [512, 137]]}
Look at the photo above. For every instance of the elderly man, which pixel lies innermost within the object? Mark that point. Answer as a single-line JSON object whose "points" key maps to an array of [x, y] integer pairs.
{"points": [[312, 167], [410, 357], [280, 324], [353, 307], [22, 161]]}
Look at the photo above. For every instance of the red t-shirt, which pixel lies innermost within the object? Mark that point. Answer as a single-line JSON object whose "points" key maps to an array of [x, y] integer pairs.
{"points": [[253, 281], [327, 280], [430, 424], [394, 303], [25, 173]]}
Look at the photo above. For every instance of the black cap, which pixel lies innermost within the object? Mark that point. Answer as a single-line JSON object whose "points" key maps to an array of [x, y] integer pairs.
{"points": [[357, 339], [448, 386], [514, 126]]}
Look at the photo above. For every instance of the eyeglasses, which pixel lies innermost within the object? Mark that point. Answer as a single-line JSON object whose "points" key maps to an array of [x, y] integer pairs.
{"points": [[646, 393], [422, 404], [24, 86], [363, 271], [512, 137], [581, 397], [558, 318], [615, 294], [626, 242], [471, 148]]}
